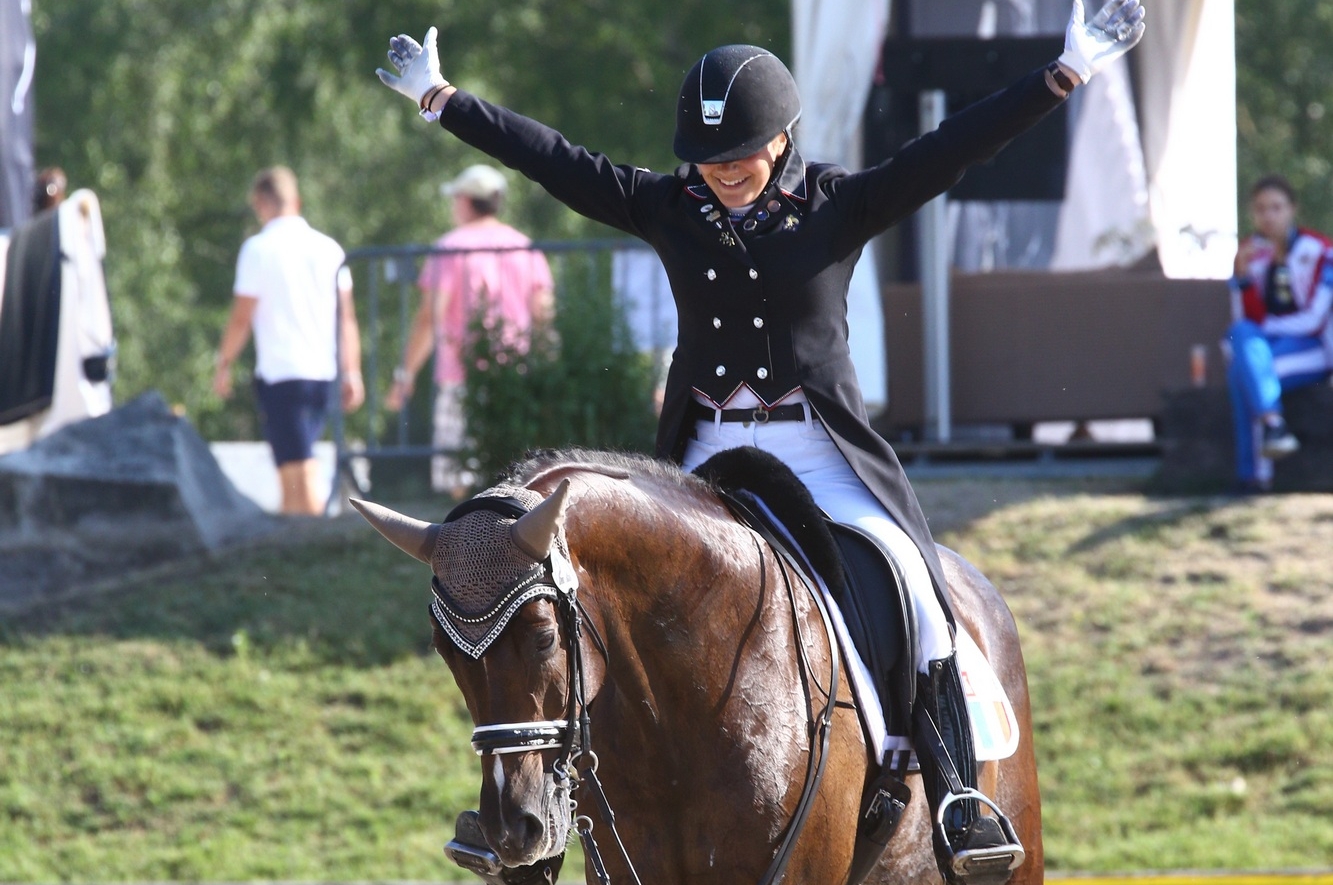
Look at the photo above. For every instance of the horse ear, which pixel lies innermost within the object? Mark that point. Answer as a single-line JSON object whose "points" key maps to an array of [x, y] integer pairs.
{"points": [[412, 536], [535, 532]]}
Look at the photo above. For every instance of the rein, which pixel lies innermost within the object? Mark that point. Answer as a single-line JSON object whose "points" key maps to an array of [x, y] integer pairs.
{"points": [[814, 772]]}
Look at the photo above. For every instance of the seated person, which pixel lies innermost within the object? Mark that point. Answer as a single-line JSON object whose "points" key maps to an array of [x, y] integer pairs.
{"points": [[1281, 338]]}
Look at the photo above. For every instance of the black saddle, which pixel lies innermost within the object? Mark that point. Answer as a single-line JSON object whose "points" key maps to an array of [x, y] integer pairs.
{"points": [[871, 595], [859, 572]]}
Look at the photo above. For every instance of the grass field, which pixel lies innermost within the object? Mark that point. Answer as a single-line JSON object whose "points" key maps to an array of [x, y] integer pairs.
{"points": [[273, 712]]}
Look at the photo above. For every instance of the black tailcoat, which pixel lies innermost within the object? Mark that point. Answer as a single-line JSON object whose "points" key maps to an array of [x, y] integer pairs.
{"points": [[764, 301]]}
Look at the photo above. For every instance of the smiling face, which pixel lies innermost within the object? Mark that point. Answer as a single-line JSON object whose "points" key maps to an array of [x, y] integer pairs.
{"points": [[740, 182]]}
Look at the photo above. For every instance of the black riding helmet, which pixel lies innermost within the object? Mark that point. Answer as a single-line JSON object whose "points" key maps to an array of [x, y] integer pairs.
{"points": [[735, 100]]}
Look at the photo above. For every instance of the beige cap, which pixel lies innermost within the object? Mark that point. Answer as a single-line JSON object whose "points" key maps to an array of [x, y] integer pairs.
{"points": [[480, 181]]}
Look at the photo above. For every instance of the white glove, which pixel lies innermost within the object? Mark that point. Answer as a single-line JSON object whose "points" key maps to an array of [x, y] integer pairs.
{"points": [[1113, 31], [418, 67]]}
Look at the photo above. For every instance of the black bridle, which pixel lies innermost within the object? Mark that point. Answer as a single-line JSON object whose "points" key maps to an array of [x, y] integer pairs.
{"points": [[573, 734], [541, 581]]}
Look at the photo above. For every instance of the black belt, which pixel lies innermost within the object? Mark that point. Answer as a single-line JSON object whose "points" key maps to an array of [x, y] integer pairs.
{"points": [[759, 415]]}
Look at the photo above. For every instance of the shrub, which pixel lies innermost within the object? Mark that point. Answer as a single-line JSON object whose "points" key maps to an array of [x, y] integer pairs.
{"points": [[581, 382]]}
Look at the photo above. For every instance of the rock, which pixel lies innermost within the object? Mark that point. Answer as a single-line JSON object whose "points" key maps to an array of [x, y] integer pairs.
{"points": [[129, 489], [1309, 414]]}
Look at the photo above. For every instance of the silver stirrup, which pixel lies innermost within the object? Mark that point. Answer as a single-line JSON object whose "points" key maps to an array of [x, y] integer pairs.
{"points": [[983, 860]]}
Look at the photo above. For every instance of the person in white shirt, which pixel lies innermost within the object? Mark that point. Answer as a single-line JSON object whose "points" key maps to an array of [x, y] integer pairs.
{"points": [[293, 290]]}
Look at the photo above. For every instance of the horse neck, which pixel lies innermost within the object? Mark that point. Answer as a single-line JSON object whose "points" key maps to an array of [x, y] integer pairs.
{"points": [[657, 555], [675, 588]]}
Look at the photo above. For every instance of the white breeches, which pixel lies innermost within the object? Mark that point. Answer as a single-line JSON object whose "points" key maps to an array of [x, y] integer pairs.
{"points": [[806, 448]]}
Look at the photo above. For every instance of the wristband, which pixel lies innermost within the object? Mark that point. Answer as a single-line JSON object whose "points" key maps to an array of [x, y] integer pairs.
{"points": [[401, 376], [426, 113], [1060, 78]]}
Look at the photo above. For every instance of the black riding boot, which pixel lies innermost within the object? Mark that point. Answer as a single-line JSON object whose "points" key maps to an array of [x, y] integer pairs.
{"points": [[469, 850], [971, 848]]}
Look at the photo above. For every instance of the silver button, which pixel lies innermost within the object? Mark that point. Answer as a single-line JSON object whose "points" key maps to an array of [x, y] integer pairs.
{"points": [[754, 274], [762, 373], [712, 274], [717, 323], [759, 322], [721, 370]]}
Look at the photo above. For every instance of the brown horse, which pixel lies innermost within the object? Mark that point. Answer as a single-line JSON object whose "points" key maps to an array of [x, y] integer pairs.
{"points": [[702, 671]]}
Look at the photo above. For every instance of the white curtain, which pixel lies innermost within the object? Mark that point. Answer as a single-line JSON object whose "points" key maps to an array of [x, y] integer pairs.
{"points": [[1188, 113], [836, 46], [1104, 219], [1160, 171]]}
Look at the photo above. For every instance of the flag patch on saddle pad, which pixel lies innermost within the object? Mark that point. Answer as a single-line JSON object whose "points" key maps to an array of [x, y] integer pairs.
{"points": [[994, 725]]}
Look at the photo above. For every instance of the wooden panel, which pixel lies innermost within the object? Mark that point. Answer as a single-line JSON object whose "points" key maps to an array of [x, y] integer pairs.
{"points": [[1030, 347]]}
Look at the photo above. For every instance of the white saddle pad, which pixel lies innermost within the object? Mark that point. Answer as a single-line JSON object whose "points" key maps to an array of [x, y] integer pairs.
{"points": [[994, 725]]}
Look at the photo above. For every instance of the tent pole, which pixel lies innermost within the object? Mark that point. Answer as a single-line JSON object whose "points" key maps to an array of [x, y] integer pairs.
{"points": [[933, 259]]}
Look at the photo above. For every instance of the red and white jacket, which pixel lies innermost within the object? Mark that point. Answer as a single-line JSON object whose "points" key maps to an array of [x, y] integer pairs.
{"points": [[1310, 265]]}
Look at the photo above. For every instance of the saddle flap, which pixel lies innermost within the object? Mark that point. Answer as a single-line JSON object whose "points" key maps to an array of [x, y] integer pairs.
{"points": [[879, 618]]}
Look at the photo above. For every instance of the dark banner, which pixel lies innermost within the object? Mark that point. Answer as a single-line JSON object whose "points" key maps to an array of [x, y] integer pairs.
{"points": [[18, 57]]}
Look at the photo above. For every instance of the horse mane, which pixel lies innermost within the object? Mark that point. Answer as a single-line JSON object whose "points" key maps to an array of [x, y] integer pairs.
{"points": [[621, 465], [744, 468]]}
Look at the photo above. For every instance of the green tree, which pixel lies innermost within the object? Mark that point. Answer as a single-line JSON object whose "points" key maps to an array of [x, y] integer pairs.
{"points": [[166, 108], [585, 385], [1284, 100]]}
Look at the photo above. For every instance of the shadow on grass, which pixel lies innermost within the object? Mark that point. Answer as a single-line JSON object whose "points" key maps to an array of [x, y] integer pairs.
{"points": [[334, 587], [1144, 527], [955, 504], [338, 589]]}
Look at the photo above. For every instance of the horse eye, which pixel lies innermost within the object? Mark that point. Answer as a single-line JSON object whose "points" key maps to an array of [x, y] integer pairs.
{"points": [[544, 640]]}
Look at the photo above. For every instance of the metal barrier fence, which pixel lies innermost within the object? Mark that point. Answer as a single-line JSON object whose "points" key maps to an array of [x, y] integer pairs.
{"points": [[387, 297]]}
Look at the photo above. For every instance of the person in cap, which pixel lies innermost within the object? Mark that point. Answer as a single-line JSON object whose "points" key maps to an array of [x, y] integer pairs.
{"points": [[481, 266], [759, 246]]}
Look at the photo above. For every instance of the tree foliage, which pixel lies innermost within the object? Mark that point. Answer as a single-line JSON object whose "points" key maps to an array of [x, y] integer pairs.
{"points": [[1284, 100], [518, 398], [166, 108]]}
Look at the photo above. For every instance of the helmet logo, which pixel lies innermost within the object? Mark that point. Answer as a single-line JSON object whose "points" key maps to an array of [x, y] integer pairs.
{"points": [[713, 112]]}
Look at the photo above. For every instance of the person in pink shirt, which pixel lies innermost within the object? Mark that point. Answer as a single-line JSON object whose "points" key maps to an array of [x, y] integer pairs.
{"points": [[485, 267]]}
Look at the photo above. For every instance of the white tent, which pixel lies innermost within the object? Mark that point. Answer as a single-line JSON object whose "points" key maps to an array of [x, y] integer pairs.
{"points": [[836, 46], [1152, 166]]}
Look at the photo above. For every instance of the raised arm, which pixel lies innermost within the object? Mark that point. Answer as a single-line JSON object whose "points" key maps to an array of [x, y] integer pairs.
{"points": [[927, 166], [587, 182]]}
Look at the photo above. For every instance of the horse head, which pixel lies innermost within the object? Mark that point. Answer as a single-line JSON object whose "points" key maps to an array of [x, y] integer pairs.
{"points": [[503, 588]]}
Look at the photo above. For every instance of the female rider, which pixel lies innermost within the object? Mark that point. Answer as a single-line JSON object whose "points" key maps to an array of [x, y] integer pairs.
{"points": [[759, 246]]}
